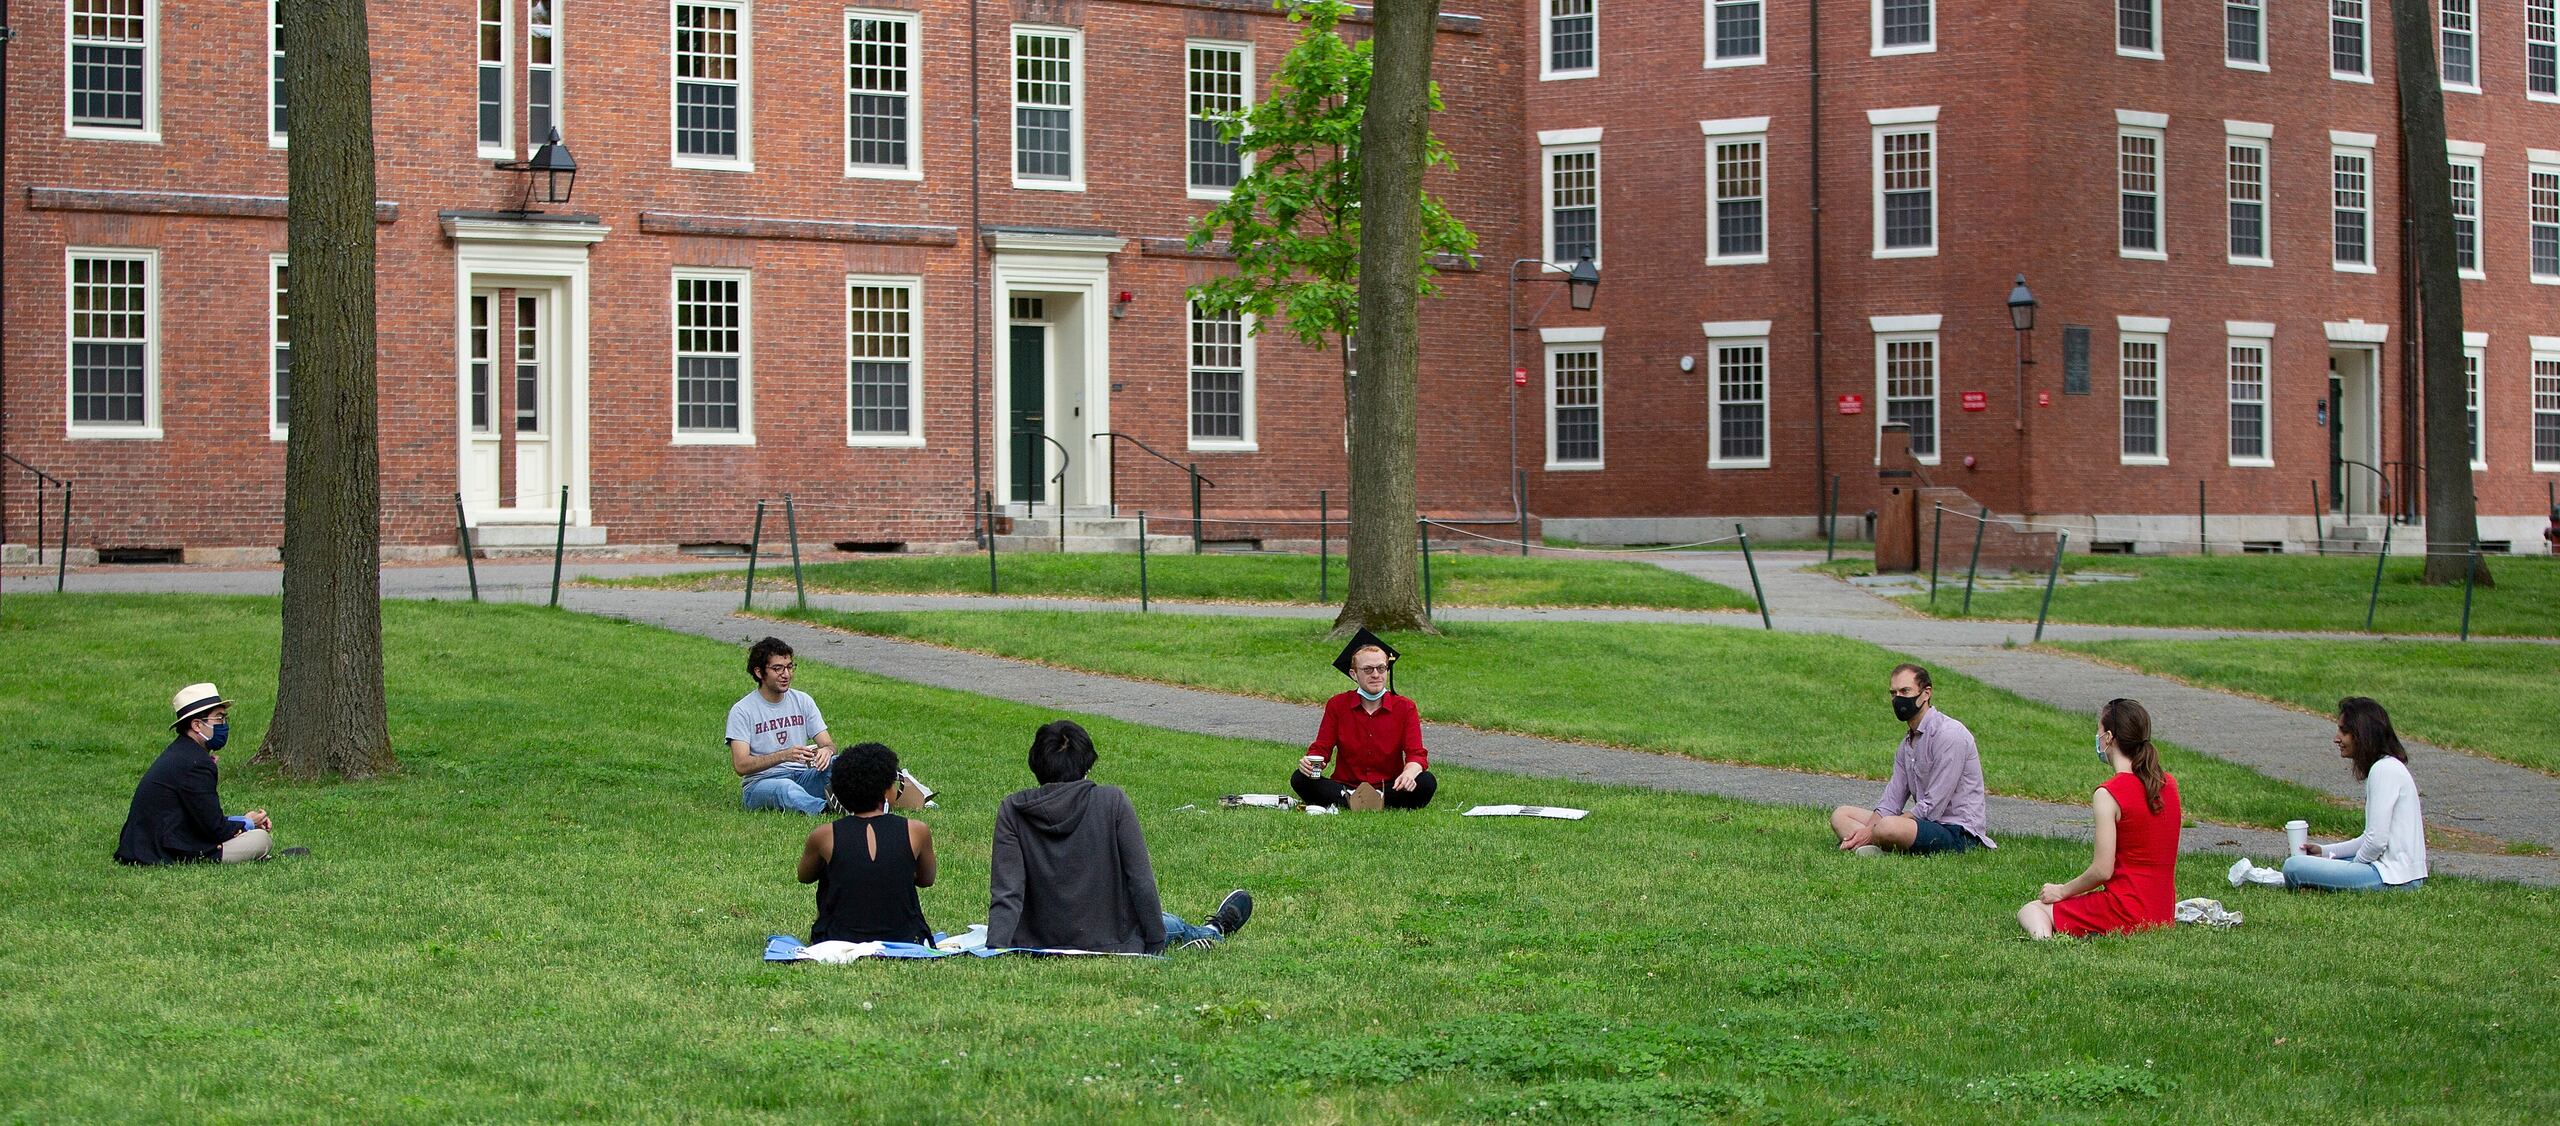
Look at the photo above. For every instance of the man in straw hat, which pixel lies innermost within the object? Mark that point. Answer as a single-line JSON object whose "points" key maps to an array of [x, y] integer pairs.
{"points": [[1373, 736], [177, 815]]}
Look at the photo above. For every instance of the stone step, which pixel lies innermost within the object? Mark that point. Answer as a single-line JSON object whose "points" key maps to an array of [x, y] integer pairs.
{"points": [[495, 537], [1078, 545]]}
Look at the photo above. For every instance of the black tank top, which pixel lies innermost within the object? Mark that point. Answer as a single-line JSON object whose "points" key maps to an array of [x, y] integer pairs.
{"points": [[862, 898]]}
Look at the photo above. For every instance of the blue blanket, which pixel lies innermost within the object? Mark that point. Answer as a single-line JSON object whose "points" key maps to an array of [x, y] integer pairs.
{"points": [[784, 948]]}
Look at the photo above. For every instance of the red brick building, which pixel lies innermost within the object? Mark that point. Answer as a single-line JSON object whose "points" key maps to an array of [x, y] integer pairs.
{"points": [[885, 255]]}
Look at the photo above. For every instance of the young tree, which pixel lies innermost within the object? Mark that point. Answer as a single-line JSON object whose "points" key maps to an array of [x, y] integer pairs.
{"points": [[2452, 508], [329, 717], [1294, 225]]}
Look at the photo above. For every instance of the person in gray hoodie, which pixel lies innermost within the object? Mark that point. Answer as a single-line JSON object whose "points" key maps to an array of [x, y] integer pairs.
{"points": [[1070, 870]]}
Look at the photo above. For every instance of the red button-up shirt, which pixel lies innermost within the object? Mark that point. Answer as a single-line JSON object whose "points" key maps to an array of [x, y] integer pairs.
{"points": [[1373, 748]]}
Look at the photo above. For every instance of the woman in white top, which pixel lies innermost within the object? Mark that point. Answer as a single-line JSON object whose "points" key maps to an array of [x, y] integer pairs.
{"points": [[2392, 853]]}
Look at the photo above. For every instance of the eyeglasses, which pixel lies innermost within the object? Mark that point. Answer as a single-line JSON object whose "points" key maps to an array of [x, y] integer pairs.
{"points": [[779, 666], [1368, 668]]}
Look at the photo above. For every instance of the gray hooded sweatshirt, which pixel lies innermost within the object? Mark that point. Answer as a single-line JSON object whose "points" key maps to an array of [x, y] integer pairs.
{"points": [[1071, 872]]}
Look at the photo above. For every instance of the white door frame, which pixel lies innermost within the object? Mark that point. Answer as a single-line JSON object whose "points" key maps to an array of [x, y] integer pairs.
{"points": [[527, 254], [2361, 438], [1050, 265]]}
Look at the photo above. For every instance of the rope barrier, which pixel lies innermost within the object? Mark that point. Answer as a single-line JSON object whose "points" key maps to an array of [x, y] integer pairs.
{"points": [[2238, 545], [1588, 550]]}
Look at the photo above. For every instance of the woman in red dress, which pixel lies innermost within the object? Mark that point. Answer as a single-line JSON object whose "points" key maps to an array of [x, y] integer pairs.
{"points": [[2131, 883]]}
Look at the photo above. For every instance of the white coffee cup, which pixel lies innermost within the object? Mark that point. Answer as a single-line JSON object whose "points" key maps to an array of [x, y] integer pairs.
{"points": [[2296, 834], [1314, 763]]}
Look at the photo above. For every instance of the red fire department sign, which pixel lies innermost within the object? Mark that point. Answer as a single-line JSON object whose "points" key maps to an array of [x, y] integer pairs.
{"points": [[1519, 377], [1853, 404], [1977, 400], [2044, 398]]}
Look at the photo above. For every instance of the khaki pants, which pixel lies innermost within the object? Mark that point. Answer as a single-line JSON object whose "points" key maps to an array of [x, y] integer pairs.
{"points": [[251, 844]]}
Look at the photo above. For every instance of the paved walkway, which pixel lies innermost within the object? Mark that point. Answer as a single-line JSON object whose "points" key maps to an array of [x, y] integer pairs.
{"points": [[2474, 793]]}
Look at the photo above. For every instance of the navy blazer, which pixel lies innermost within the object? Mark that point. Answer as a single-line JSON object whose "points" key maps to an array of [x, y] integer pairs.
{"points": [[176, 813]]}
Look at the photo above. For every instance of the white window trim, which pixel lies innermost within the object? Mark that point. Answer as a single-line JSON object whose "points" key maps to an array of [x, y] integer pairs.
{"points": [[2475, 346], [2239, 134], [150, 428], [2473, 86], [2259, 66], [1252, 440], [1892, 330], [2328, 23], [2546, 349], [1722, 330], [1573, 334], [277, 431], [1558, 138], [746, 434], [1920, 325], [1762, 139], [505, 148], [2530, 93], [1546, 45], [1708, 7], [2131, 123], [914, 169], [1600, 409], [2538, 162], [150, 131], [1875, 33], [2155, 331], [1076, 98], [2117, 27], [2261, 336], [2361, 145], [1245, 157], [745, 161], [1547, 154], [2470, 154], [275, 48], [1716, 458], [914, 285], [1920, 119]]}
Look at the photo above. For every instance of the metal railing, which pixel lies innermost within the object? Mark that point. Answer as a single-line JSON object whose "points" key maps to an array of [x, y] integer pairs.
{"points": [[2345, 498], [62, 548], [1190, 469]]}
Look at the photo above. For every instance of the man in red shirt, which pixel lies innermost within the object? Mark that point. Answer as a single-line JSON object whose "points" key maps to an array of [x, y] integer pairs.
{"points": [[1373, 736]]}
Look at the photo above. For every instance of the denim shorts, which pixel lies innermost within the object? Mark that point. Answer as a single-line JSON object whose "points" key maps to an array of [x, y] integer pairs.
{"points": [[1938, 836]]}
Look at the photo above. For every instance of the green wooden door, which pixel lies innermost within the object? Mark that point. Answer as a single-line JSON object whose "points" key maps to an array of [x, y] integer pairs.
{"points": [[1030, 357]]}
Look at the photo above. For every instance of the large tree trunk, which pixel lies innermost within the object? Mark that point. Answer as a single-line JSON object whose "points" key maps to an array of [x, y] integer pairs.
{"points": [[1384, 591], [329, 717], [2452, 509]]}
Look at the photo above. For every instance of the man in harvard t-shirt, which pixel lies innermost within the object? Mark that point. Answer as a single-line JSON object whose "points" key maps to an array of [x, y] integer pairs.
{"points": [[1373, 736], [778, 743]]}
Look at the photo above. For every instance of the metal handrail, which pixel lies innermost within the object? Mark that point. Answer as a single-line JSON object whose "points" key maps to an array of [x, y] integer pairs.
{"points": [[2347, 497], [1065, 461], [1193, 471], [62, 548], [47, 478]]}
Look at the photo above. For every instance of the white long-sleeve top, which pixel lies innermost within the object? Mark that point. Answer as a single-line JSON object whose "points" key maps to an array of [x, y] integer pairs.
{"points": [[2395, 837]]}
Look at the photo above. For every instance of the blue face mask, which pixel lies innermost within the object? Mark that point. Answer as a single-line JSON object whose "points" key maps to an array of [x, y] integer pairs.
{"points": [[221, 734], [1372, 697], [2101, 741]]}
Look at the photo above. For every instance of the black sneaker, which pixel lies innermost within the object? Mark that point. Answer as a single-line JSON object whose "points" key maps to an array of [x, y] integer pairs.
{"points": [[1232, 912]]}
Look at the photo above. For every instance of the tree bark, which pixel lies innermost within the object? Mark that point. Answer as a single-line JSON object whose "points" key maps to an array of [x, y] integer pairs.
{"points": [[1384, 592], [329, 716], [2452, 508]]}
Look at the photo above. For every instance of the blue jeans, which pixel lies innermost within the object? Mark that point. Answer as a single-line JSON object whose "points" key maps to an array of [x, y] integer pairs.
{"points": [[2327, 874], [1177, 932], [798, 788]]}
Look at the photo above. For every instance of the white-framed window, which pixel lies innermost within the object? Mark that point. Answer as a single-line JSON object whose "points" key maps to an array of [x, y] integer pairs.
{"points": [[880, 111], [2245, 192], [1907, 380], [714, 99], [714, 368], [494, 116], [2462, 162], [2350, 48], [1906, 182], [2542, 50], [2138, 185], [2138, 28], [2542, 219], [1738, 434], [1221, 364], [2546, 404], [1048, 108], [1573, 399], [2459, 56], [883, 361], [541, 72], [2351, 204], [279, 349], [1573, 198], [275, 74], [2246, 354], [112, 307], [2141, 357], [112, 80], [1902, 27], [2244, 34], [1571, 29], [1737, 191], [1218, 88], [1735, 35], [2475, 358]]}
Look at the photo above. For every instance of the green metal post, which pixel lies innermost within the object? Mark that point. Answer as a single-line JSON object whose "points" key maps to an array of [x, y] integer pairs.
{"points": [[462, 529], [559, 544], [1142, 560], [1324, 547], [2204, 542], [62, 548], [1831, 529], [988, 498], [1194, 470], [1754, 568], [1520, 506], [2376, 597], [755, 547], [1426, 567], [2319, 535], [791, 526], [1980, 522], [2059, 539], [1937, 524], [2469, 573]]}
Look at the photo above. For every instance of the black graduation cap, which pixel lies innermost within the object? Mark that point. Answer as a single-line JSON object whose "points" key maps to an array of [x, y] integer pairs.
{"points": [[1360, 641]]}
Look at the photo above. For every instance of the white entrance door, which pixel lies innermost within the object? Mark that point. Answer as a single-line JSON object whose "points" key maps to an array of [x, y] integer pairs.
{"points": [[515, 448]]}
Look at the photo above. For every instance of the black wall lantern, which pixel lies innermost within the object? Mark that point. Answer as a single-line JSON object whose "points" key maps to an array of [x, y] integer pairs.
{"points": [[552, 169]]}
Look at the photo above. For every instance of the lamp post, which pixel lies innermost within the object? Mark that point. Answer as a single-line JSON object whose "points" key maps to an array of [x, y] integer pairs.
{"points": [[2022, 317], [553, 166], [1582, 285]]}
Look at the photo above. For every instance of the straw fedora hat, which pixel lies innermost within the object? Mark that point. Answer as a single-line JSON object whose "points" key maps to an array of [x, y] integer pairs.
{"points": [[195, 700]]}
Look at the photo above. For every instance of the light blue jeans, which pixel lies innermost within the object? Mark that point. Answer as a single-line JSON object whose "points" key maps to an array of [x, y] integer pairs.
{"points": [[1177, 932], [801, 789], [2327, 874]]}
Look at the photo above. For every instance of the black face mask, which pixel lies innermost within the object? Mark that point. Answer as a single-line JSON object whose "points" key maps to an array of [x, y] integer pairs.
{"points": [[1905, 707]]}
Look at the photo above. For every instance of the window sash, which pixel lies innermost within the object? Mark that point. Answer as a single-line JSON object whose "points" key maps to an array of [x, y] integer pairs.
{"points": [[1217, 89], [1734, 31], [2465, 176], [279, 348], [2543, 212], [1044, 103], [2542, 47], [2138, 191], [711, 351], [2347, 46], [541, 72], [1220, 391], [1907, 371], [2472, 361], [2248, 388], [1907, 189], [2350, 208], [1573, 204], [2458, 27], [1573, 406], [2138, 384], [110, 341], [2246, 177], [109, 80], [1906, 24], [710, 51], [2244, 32], [2546, 411], [880, 371], [1741, 404], [1737, 199], [879, 78], [492, 73], [2138, 26], [275, 74], [1573, 41]]}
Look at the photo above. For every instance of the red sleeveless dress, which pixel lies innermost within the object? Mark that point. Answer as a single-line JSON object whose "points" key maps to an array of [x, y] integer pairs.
{"points": [[2142, 892]]}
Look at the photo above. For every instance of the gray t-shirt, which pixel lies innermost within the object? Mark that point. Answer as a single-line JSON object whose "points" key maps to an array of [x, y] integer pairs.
{"points": [[769, 726]]}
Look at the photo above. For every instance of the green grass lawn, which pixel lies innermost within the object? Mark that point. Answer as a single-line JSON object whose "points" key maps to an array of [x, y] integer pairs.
{"points": [[2494, 700], [1786, 700], [555, 910], [2279, 592], [1457, 580]]}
